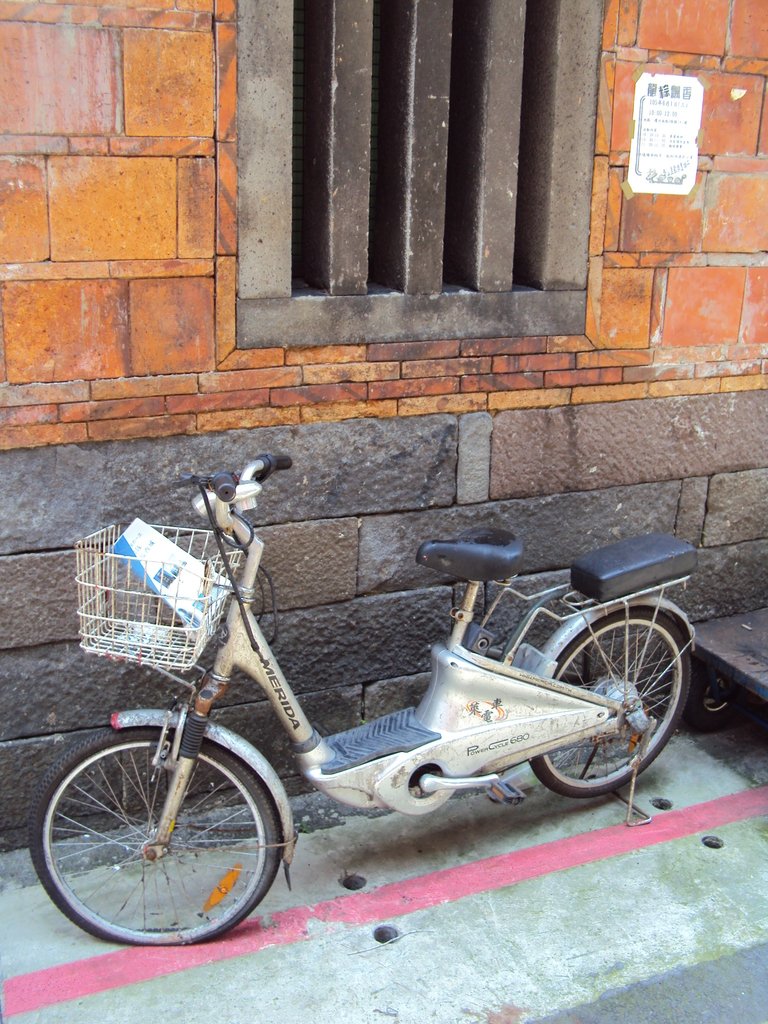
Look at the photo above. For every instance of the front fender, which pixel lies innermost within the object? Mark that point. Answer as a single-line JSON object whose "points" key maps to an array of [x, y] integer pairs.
{"points": [[574, 625], [241, 748]]}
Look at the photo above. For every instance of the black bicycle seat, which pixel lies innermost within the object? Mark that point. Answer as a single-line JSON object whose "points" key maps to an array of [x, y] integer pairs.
{"points": [[479, 555]]}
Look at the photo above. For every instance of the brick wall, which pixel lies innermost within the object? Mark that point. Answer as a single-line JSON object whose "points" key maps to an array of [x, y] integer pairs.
{"points": [[118, 239]]}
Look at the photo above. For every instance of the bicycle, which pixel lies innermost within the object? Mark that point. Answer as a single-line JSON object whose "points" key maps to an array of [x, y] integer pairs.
{"points": [[170, 828]]}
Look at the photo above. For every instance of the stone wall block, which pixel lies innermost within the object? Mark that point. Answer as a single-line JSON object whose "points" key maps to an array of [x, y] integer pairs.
{"points": [[388, 695], [549, 451], [473, 473], [38, 599], [555, 529], [737, 508], [692, 509], [729, 580], [339, 470], [312, 563]]}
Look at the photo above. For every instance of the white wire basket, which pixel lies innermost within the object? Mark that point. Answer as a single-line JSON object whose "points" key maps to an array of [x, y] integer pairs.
{"points": [[123, 617]]}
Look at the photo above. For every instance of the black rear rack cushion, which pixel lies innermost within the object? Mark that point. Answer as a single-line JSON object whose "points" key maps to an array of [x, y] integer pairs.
{"points": [[632, 565], [479, 555]]}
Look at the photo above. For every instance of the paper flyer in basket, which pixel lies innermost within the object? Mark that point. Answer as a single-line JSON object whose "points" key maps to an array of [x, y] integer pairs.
{"points": [[172, 573]]}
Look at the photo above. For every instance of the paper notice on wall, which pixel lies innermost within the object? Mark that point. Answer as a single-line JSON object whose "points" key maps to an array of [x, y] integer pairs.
{"points": [[664, 152]]}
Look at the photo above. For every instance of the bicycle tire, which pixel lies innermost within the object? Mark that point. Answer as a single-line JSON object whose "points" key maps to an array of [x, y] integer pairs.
{"points": [[659, 662], [97, 807]]}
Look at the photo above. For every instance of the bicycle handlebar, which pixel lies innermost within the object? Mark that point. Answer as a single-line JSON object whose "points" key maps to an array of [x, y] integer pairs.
{"points": [[224, 483]]}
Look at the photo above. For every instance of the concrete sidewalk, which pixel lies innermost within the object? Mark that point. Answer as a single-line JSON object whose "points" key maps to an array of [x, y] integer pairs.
{"points": [[553, 911]]}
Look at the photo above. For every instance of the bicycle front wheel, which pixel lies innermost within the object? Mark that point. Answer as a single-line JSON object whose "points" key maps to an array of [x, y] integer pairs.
{"points": [[642, 650], [98, 807]]}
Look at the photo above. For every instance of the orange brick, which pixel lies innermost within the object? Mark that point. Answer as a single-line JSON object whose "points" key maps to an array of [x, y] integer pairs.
{"points": [[226, 199], [337, 411], [326, 354], [750, 382], [268, 377], [544, 361], [733, 213], [43, 434], [168, 83], [703, 305], [454, 404], [614, 202], [625, 308], [628, 18], [610, 23], [142, 387], [89, 145], [569, 343], [608, 393], [252, 358], [541, 399], [58, 79], [226, 298], [197, 207], [24, 415], [763, 148], [226, 10], [659, 223], [754, 318], [162, 147], [247, 419], [623, 105], [226, 82], [160, 268], [670, 388], [605, 104], [686, 26], [42, 394], [504, 346], [112, 208], [23, 210], [53, 271], [634, 357], [446, 367], [731, 121], [171, 326], [65, 330], [599, 206], [749, 28], [413, 350], [501, 381]]}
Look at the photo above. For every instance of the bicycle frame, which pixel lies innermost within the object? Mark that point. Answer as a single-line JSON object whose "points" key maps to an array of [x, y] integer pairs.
{"points": [[527, 714]]}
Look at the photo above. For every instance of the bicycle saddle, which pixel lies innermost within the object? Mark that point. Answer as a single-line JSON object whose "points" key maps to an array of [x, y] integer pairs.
{"points": [[480, 555]]}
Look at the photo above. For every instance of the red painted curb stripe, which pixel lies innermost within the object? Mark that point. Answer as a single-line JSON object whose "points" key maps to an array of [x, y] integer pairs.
{"points": [[28, 992]]}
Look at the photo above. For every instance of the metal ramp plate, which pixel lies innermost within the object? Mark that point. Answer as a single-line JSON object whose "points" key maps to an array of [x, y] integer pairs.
{"points": [[737, 647]]}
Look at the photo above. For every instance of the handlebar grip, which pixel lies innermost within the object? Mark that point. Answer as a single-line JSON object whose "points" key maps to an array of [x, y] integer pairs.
{"points": [[283, 461], [224, 486]]}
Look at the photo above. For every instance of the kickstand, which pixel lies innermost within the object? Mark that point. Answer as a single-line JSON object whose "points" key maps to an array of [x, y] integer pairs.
{"points": [[640, 817]]}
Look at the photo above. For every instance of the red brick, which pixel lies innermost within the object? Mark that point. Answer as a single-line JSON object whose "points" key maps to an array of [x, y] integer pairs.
{"points": [[625, 308], [659, 223], [142, 387], [731, 122], [754, 320], [23, 210], [24, 415], [112, 208], [501, 381], [598, 206], [336, 411], [128, 408], [58, 79], [43, 394], [763, 148], [417, 387], [610, 23], [336, 373], [218, 402], [749, 28], [703, 305], [685, 26], [162, 147], [169, 86], [446, 367], [573, 378], [503, 346], [453, 404], [65, 330], [633, 357], [540, 399], [608, 393], [171, 326], [413, 350], [89, 145], [226, 299], [544, 361], [326, 354], [197, 207], [605, 104], [734, 213], [152, 426], [247, 419], [318, 393], [626, 34], [623, 105]]}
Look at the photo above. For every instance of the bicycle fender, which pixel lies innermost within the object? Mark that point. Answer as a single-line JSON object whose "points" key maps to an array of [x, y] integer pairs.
{"points": [[563, 636], [241, 748]]}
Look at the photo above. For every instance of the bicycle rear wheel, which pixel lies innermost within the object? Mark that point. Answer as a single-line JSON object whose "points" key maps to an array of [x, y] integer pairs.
{"points": [[98, 806], [643, 648]]}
